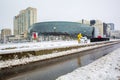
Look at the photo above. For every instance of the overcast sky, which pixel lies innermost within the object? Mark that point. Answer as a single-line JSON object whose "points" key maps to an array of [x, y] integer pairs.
{"points": [[62, 10]]}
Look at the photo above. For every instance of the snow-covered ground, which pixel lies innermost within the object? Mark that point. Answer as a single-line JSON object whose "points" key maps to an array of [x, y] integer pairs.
{"points": [[37, 46], [105, 68], [33, 46]]}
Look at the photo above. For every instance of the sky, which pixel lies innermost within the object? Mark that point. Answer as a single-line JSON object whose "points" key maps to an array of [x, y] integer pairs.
{"points": [[62, 10]]}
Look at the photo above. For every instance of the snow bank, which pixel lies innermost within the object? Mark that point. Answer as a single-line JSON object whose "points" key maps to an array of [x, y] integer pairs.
{"points": [[38, 46], [105, 68], [34, 46], [15, 62]]}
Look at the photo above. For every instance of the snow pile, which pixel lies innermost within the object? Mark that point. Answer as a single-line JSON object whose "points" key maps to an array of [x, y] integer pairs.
{"points": [[39, 46], [34, 46], [15, 62], [105, 68]]}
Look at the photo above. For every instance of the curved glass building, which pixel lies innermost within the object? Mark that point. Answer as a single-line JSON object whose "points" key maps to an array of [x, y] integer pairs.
{"points": [[61, 28]]}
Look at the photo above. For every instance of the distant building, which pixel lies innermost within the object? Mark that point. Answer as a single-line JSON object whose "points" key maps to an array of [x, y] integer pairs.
{"points": [[83, 21], [111, 26], [95, 23], [99, 25], [101, 29], [115, 34], [5, 33], [0, 37], [24, 20], [60, 30], [106, 30], [15, 38]]}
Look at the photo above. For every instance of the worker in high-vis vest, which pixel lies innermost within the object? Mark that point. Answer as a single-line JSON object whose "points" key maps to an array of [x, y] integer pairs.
{"points": [[79, 36]]}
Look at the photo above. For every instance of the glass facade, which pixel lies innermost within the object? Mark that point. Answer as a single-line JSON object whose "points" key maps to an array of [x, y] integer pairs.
{"points": [[57, 28]]}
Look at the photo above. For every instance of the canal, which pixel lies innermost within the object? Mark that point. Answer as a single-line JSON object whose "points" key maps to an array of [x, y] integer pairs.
{"points": [[51, 69]]}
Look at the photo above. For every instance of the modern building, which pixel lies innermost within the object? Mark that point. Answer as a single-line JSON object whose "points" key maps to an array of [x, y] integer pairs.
{"points": [[111, 26], [15, 38], [83, 21], [106, 30], [99, 25], [102, 29], [57, 30], [5, 33], [24, 20], [95, 23], [0, 37], [115, 34]]}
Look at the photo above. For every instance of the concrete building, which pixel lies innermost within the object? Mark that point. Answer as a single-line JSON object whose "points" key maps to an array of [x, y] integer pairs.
{"points": [[15, 38], [99, 25], [115, 34], [102, 29], [106, 30], [0, 37], [83, 21], [111, 26], [24, 20], [95, 23], [5, 33]]}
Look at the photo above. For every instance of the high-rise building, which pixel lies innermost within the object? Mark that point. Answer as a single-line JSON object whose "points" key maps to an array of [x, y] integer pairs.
{"points": [[101, 29], [115, 34], [95, 23], [0, 37], [5, 33], [98, 24], [106, 30], [111, 26], [83, 21], [24, 20]]}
